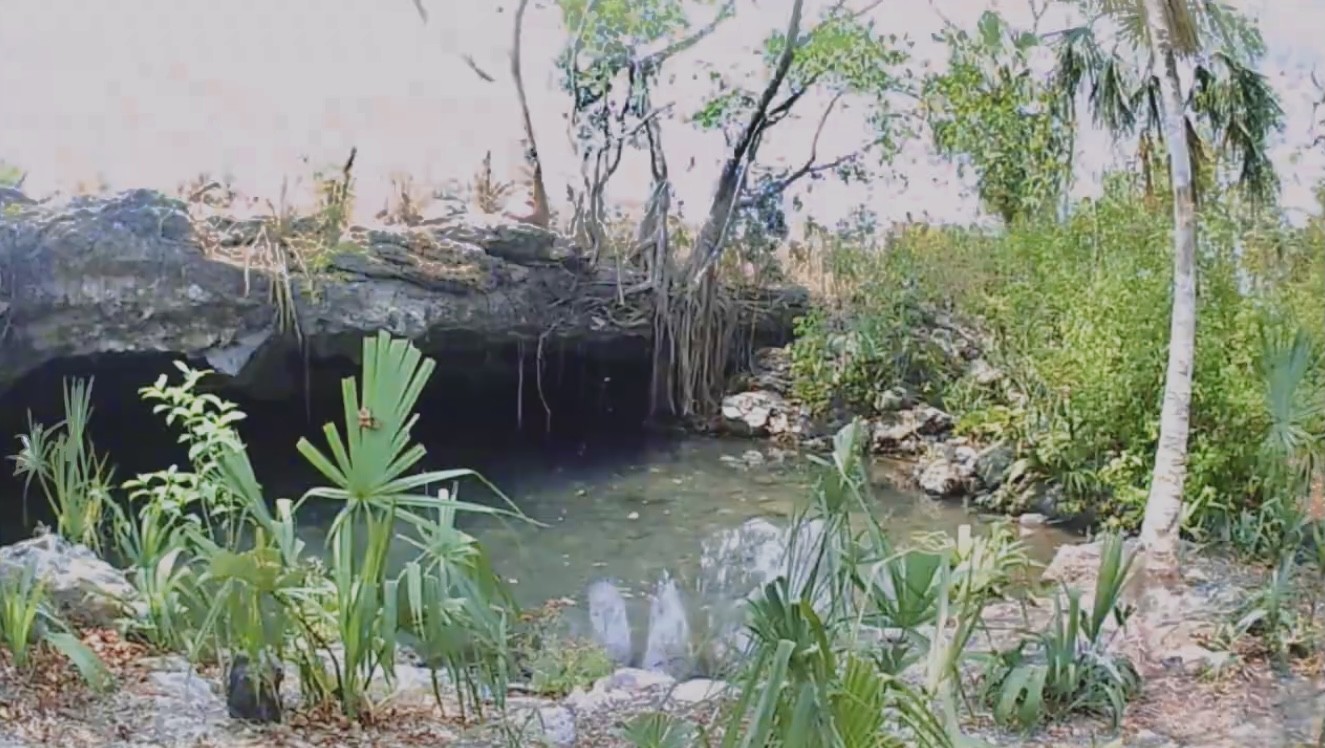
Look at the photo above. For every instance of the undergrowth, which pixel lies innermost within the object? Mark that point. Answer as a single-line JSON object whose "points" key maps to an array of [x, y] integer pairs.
{"points": [[1075, 314]]}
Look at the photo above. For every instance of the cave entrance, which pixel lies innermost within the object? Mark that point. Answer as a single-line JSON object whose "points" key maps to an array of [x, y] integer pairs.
{"points": [[499, 410]]}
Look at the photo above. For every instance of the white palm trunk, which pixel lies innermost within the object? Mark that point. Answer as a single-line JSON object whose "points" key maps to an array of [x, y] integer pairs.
{"points": [[1163, 516]]}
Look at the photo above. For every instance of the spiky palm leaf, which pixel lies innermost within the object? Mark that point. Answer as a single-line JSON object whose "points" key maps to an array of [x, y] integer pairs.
{"points": [[1232, 108], [1295, 440]]}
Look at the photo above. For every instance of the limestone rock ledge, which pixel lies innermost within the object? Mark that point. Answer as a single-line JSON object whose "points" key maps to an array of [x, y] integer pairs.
{"points": [[134, 272]]}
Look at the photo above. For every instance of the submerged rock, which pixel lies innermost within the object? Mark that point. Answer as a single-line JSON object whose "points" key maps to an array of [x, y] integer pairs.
{"points": [[81, 586]]}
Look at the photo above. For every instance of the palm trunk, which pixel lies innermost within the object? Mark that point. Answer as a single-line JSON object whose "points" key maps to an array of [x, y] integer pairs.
{"points": [[1163, 515]]}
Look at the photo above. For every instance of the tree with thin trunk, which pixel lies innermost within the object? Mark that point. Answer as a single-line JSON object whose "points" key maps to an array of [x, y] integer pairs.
{"points": [[1218, 129], [1163, 514], [540, 210]]}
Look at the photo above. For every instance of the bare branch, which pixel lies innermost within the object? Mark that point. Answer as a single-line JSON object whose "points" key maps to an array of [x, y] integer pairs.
{"points": [[854, 14], [778, 113], [651, 61], [818, 133], [711, 236], [469, 59], [480, 72]]}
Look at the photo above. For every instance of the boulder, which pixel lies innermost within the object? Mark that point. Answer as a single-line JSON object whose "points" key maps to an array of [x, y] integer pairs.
{"points": [[1078, 565], [253, 692], [951, 473], [992, 465], [81, 586], [763, 413], [698, 690], [905, 432], [894, 399], [771, 371], [983, 373], [554, 725]]}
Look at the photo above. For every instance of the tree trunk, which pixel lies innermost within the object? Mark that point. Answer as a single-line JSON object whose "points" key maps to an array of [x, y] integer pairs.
{"points": [[1163, 515], [541, 212], [714, 231]]}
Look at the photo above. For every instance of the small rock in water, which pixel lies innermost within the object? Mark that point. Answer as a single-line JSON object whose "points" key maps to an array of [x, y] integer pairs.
{"points": [[253, 696], [1032, 519]]}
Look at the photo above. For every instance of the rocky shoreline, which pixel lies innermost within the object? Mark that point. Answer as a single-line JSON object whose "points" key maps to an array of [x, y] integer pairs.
{"points": [[944, 464], [162, 699]]}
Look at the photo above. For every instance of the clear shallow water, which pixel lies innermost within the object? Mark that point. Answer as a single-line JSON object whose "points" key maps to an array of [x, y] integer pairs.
{"points": [[631, 509]]}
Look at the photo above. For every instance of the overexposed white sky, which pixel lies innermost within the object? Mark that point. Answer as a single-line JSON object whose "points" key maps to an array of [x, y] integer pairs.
{"points": [[150, 93]]}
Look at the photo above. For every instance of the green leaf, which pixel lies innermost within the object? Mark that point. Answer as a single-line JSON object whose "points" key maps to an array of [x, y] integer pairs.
{"points": [[84, 659]]}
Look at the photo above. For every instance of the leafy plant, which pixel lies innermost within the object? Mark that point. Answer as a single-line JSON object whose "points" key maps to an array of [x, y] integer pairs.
{"points": [[224, 573], [660, 730], [11, 175], [560, 667], [368, 466], [1272, 616], [73, 477], [809, 682], [1068, 667], [26, 620], [988, 106]]}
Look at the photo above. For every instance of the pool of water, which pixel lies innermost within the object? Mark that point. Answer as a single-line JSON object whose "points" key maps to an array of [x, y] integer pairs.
{"points": [[630, 510]]}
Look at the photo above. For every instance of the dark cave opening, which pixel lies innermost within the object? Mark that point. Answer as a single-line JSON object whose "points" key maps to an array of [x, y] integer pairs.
{"points": [[497, 409]]}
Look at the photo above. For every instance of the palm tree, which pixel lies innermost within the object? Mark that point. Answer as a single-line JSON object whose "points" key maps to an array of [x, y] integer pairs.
{"points": [[1163, 517], [1225, 119], [1230, 111]]}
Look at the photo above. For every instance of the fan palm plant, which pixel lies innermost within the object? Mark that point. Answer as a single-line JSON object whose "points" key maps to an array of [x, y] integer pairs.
{"points": [[1230, 111], [369, 465]]}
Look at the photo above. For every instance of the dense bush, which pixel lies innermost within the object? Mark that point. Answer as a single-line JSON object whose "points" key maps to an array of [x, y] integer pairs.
{"points": [[1076, 312]]}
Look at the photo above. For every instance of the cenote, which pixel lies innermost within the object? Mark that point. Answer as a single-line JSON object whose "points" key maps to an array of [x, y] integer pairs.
{"points": [[613, 499]]}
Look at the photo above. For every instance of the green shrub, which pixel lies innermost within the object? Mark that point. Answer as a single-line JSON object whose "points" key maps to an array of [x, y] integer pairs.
{"points": [[1076, 313], [26, 620], [10, 175], [224, 573], [1068, 667], [64, 462]]}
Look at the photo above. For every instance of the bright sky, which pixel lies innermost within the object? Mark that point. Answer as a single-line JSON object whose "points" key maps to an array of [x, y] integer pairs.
{"points": [[152, 92]]}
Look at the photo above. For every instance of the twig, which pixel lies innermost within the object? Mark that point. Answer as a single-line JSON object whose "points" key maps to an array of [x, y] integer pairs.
{"points": [[519, 386], [651, 61], [538, 379], [480, 72]]}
